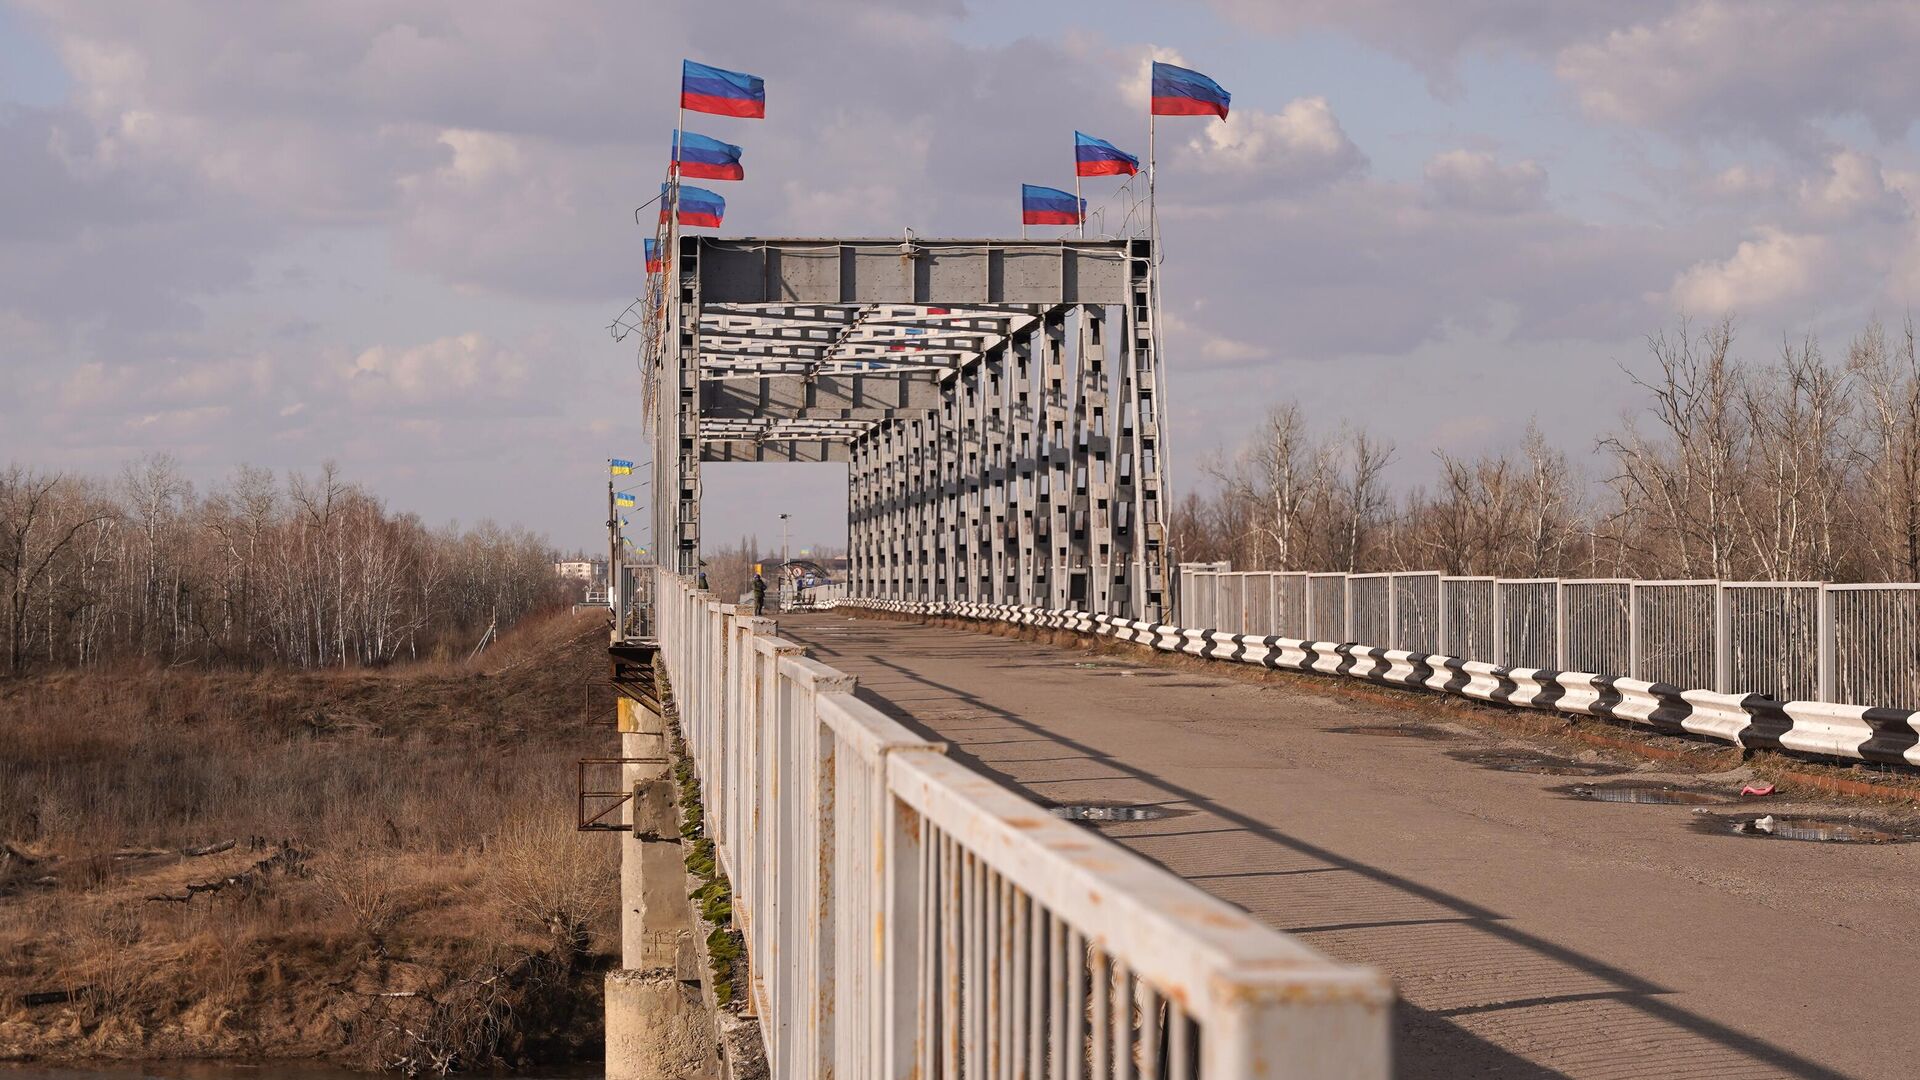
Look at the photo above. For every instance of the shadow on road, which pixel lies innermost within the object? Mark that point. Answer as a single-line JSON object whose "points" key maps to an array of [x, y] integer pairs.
{"points": [[1592, 1018]]}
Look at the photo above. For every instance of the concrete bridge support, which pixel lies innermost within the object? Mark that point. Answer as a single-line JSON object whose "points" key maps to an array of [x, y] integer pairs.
{"points": [[657, 1026]]}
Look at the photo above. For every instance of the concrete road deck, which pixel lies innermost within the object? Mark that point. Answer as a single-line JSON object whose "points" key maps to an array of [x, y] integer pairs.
{"points": [[1529, 934]]}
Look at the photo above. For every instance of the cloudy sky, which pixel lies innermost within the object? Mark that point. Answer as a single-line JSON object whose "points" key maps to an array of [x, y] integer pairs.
{"points": [[393, 234]]}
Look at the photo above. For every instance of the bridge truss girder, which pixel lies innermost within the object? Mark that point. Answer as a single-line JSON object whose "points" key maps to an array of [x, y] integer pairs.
{"points": [[1003, 444]]}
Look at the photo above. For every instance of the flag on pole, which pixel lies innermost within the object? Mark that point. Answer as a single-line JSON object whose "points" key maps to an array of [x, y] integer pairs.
{"points": [[1049, 206], [1179, 92], [707, 159], [698, 206], [624, 499], [620, 467], [721, 92], [654, 264], [1098, 157]]}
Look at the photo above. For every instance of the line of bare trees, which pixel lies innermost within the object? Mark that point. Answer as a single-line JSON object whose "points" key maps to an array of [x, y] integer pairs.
{"points": [[1804, 467], [309, 571]]}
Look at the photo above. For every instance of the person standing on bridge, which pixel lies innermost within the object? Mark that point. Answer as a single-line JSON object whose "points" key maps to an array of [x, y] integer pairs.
{"points": [[759, 593]]}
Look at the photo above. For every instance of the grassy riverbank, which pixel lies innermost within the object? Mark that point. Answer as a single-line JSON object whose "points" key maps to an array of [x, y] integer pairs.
{"points": [[375, 867]]}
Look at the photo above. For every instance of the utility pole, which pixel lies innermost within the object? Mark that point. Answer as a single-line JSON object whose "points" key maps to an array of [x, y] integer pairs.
{"points": [[786, 575], [613, 545]]}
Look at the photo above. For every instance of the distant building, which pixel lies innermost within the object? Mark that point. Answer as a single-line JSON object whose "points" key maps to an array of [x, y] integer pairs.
{"points": [[587, 570]]}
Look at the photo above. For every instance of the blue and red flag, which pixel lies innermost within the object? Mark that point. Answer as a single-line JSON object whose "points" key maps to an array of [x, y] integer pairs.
{"points": [[721, 92], [1179, 92], [1098, 157], [1050, 206], [698, 206], [707, 159], [654, 264]]}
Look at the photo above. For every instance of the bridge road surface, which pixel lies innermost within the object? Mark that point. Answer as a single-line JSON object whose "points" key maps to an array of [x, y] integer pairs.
{"points": [[1529, 935]]}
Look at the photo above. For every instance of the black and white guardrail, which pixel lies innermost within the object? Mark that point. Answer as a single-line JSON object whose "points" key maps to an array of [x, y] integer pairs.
{"points": [[1854, 732]]}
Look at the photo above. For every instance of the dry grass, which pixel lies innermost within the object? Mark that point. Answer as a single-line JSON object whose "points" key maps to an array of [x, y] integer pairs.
{"points": [[405, 885]]}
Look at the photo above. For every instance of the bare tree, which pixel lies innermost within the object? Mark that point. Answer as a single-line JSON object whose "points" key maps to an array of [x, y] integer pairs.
{"points": [[1677, 488], [1889, 450], [1798, 463], [32, 536], [317, 573]]}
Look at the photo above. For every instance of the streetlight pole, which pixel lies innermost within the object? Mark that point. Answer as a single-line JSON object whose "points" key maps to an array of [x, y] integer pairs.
{"points": [[786, 574], [613, 551]]}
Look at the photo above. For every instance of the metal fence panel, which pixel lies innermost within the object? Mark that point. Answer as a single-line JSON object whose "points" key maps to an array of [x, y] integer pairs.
{"points": [[1416, 612], [1371, 599], [1290, 605], [1260, 603], [1674, 633], [1598, 625], [1466, 609], [1876, 645], [1327, 607], [1773, 638], [1231, 615], [1206, 588], [1529, 623]]}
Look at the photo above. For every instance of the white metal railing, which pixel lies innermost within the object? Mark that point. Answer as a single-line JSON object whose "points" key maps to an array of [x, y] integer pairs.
{"points": [[1788, 640], [906, 916]]}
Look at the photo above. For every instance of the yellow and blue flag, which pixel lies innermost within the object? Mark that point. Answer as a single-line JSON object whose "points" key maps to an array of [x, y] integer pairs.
{"points": [[620, 467], [623, 499]]}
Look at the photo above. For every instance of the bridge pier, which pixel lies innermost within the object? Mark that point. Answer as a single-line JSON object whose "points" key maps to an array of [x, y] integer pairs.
{"points": [[655, 921], [656, 1023]]}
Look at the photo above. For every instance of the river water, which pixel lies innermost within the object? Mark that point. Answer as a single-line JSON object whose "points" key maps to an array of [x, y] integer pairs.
{"points": [[267, 1070]]}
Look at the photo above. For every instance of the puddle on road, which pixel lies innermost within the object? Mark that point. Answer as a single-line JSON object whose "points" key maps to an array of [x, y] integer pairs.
{"points": [[1630, 791], [1804, 827], [1526, 761], [1393, 731], [1104, 813]]}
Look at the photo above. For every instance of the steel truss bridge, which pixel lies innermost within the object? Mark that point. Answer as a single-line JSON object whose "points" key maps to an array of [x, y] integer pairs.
{"points": [[997, 404], [878, 794]]}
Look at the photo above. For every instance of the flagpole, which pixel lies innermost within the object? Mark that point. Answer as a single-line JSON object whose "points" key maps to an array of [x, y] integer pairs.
{"points": [[673, 219], [1153, 216], [1079, 204]]}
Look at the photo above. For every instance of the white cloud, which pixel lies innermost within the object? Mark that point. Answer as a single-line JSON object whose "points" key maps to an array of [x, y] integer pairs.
{"points": [[1302, 144], [1852, 188], [1198, 333], [1772, 68], [1475, 180], [448, 370], [1431, 36], [1739, 184], [1771, 268], [1703, 68]]}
